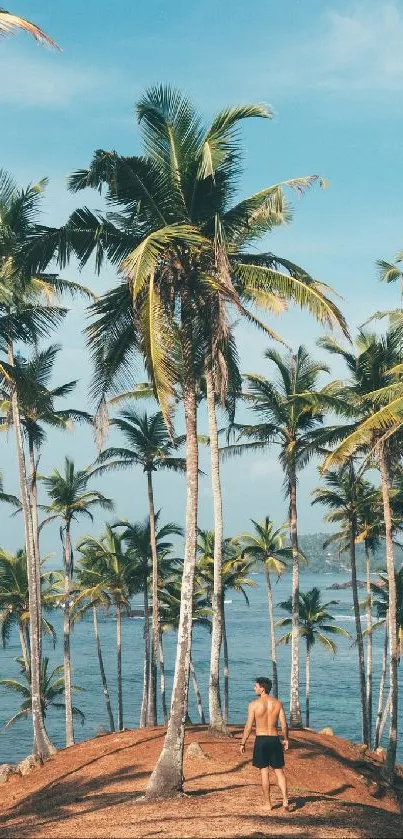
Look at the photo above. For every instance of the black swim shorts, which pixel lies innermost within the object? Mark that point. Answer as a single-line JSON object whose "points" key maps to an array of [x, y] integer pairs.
{"points": [[268, 751]]}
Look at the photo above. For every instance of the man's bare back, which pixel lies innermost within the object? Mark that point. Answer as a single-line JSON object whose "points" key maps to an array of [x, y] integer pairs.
{"points": [[267, 712]]}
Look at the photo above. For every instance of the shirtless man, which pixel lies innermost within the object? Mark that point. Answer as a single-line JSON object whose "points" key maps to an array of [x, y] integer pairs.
{"points": [[266, 712]]}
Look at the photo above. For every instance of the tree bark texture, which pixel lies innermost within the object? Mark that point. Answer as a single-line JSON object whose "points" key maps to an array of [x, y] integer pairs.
{"points": [[358, 629], [146, 639], [197, 693], [66, 640], [382, 683], [368, 609], [226, 665], [307, 684], [295, 707], [102, 670], [119, 663], [162, 677], [152, 709], [272, 633]]}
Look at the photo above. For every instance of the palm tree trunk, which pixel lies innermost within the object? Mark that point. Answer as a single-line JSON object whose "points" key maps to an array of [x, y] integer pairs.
{"points": [[358, 629], [295, 708], [382, 684], [368, 610], [43, 747], [119, 661], [226, 665], [386, 711], [102, 671], [197, 692], [152, 708], [167, 777], [33, 499], [393, 647], [272, 632], [25, 648], [146, 638], [66, 640], [217, 723], [162, 677], [307, 684]]}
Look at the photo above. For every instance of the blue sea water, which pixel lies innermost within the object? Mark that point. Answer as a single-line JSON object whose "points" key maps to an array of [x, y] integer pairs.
{"points": [[334, 679]]}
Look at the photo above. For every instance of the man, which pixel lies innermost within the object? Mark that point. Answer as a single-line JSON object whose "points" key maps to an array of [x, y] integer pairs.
{"points": [[266, 712]]}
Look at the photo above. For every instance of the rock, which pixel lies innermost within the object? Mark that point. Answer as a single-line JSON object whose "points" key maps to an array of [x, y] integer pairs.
{"points": [[327, 730], [362, 748], [194, 750], [342, 586], [381, 752], [5, 771], [28, 764]]}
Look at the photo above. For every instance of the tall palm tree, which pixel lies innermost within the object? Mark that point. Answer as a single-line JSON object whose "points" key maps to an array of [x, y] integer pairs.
{"points": [[120, 580], [174, 215], [344, 493], [314, 626], [137, 538], [291, 413], [373, 394], [9, 23], [266, 545], [36, 400], [234, 577], [148, 445], [29, 310], [52, 688], [71, 499], [14, 600]]}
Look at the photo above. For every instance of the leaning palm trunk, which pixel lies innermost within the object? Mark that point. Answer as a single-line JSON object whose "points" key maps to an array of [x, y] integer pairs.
{"points": [[146, 638], [66, 641], [368, 609], [272, 632], [295, 708], [226, 665], [358, 629], [152, 704], [119, 663], [216, 718], [307, 684], [24, 641], [42, 745], [382, 684], [389, 768], [167, 777], [162, 676], [33, 500], [197, 692], [386, 712], [102, 670]]}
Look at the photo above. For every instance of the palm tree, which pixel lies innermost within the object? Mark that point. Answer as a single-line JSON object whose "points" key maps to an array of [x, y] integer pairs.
{"points": [[266, 545], [14, 600], [314, 626], [234, 577], [70, 499], [344, 493], [291, 414], [138, 540], [27, 313], [120, 579], [374, 398], [172, 253], [36, 400], [9, 23], [148, 445], [52, 687]]}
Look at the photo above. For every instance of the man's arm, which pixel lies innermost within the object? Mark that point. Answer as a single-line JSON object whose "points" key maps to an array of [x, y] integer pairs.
{"points": [[284, 727], [248, 727]]}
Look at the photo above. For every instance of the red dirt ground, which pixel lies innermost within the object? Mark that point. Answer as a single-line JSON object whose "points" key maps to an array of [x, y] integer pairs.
{"points": [[94, 789]]}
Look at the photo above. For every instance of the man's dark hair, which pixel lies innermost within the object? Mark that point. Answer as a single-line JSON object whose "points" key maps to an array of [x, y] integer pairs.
{"points": [[264, 683]]}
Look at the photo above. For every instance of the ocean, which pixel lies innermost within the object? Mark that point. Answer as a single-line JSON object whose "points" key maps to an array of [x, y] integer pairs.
{"points": [[334, 679]]}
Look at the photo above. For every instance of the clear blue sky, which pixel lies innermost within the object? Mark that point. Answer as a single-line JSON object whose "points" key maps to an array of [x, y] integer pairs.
{"points": [[333, 73]]}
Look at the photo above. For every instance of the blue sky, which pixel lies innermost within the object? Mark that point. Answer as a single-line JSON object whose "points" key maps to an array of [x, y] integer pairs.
{"points": [[332, 72]]}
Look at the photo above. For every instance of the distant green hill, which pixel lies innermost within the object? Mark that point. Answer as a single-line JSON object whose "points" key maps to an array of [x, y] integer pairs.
{"points": [[321, 559]]}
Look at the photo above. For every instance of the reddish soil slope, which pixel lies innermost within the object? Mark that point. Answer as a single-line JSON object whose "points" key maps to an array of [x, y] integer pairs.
{"points": [[94, 790]]}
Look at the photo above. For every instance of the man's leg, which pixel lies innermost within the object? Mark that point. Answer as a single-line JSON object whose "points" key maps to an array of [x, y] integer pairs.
{"points": [[282, 782], [266, 787]]}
